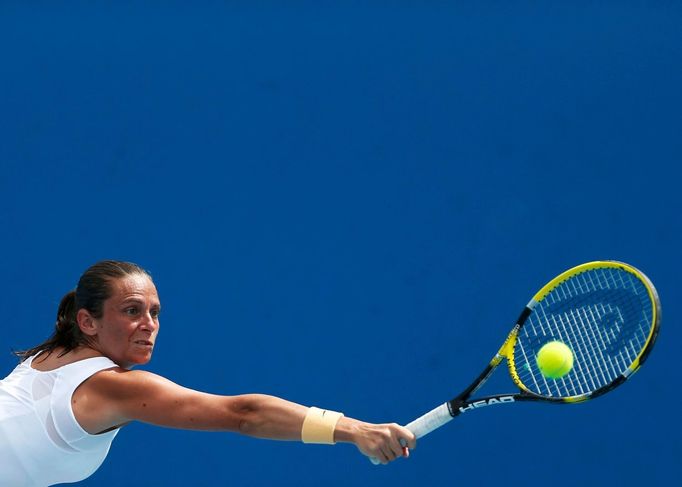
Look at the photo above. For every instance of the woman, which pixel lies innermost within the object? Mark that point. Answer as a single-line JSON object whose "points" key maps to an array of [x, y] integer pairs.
{"points": [[62, 406]]}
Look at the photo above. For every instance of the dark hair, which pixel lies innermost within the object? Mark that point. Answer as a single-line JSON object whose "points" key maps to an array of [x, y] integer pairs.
{"points": [[92, 290]]}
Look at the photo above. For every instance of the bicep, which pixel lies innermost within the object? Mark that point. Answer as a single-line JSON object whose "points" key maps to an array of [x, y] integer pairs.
{"points": [[150, 398]]}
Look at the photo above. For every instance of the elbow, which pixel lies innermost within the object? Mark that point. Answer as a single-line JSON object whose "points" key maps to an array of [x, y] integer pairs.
{"points": [[244, 411]]}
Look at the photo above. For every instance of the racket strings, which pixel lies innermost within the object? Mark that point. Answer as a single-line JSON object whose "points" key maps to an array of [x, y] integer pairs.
{"points": [[603, 314]]}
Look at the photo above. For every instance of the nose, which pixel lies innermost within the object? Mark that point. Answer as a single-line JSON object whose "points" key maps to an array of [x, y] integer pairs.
{"points": [[149, 322]]}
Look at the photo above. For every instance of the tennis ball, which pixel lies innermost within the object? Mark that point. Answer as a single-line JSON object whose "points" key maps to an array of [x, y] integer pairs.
{"points": [[555, 360]]}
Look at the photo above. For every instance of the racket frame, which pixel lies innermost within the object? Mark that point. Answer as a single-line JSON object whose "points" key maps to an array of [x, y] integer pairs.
{"points": [[463, 403]]}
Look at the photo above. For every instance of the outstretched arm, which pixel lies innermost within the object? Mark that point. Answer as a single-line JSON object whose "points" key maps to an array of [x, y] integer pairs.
{"points": [[117, 396]]}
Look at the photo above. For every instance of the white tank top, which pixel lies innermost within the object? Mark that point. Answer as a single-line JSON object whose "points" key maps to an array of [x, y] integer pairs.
{"points": [[41, 443]]}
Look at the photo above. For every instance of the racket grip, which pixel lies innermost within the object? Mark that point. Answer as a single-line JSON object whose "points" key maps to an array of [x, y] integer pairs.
{"points": [[430, 421], [426, 424]]}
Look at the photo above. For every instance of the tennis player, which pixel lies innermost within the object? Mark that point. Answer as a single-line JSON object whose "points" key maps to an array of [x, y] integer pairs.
{"points": [[62, 406]]}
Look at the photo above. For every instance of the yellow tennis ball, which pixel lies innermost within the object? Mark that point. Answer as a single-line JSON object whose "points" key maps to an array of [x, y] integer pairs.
{"points": [[555, 360]]}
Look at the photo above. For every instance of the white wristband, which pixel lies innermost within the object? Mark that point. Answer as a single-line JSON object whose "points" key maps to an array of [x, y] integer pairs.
{"points": [[319, 425]]}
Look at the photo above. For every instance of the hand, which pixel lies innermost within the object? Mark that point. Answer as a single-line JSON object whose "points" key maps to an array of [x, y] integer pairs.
{"points": [[381, 441]]}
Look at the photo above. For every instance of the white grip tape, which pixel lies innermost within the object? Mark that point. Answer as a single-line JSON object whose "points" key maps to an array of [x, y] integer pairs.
{"points": [[430, 421], [427, 423]]}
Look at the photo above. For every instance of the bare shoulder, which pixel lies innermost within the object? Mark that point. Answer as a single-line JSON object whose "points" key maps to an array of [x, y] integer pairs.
{"points": [[114, 397], [122, 383], [117, 396], [118, 374]]}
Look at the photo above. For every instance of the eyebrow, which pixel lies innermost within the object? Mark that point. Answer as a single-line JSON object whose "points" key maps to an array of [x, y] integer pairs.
{"points": [[138, 301]]}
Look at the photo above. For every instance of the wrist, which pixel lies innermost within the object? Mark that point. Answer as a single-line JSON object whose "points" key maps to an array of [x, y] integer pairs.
{"points": [[347, 430], [319, 426]]}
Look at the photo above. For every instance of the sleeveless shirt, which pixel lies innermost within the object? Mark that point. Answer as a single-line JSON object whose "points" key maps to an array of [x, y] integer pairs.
{"points": [[41, 442]]}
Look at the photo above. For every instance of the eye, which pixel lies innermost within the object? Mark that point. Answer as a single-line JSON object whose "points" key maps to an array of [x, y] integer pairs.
{"points": [[132, 311], [155, 313]]}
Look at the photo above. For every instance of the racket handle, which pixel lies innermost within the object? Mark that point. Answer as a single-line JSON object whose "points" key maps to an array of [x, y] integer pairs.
{"points": [[425, 424], [430, 421]]}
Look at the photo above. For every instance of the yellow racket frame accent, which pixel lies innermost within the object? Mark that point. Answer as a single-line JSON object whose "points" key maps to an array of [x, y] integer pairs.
{"points": [[507, 349]]}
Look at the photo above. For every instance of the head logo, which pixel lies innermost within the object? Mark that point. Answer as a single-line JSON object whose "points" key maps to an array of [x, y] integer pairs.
{"points": [[487, 402]]}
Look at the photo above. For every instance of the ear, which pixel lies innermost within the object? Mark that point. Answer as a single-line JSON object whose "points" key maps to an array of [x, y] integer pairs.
{"points": [[86, 322]]}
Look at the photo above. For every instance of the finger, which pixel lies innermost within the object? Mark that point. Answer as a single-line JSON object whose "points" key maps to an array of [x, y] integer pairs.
{"points": [[409, 438], [396, 449], [406, 449], [390, 453]]}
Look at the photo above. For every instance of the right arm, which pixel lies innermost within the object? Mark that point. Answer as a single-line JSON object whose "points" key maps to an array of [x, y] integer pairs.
{"points": [[117, 396]]}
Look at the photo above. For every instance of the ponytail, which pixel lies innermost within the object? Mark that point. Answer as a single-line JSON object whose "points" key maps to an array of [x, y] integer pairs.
{"points": [[66, 335]]}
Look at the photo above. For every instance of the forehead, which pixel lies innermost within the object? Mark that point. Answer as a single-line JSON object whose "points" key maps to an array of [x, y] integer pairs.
{"points": [[135, 285]]}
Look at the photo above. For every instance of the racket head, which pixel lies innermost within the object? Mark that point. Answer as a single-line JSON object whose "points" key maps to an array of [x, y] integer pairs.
{"points": [[607, 312]]}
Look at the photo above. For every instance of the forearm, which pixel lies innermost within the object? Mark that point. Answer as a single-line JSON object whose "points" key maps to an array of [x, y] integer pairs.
{"points": [[264, 416], [273, 418]]}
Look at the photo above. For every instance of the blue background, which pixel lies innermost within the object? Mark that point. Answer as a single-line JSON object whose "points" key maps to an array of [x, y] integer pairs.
{"points": [[347, 205]]}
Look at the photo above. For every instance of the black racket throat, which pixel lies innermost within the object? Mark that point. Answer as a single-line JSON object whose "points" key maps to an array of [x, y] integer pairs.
{"points": [[458, 406], [463, 402]]}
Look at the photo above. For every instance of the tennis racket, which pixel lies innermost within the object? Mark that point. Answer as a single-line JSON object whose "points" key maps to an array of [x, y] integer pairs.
{"points": [[606, 312]]}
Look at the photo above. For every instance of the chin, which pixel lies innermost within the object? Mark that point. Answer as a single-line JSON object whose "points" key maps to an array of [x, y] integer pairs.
{"points": [[133, 361], [142, 360]]}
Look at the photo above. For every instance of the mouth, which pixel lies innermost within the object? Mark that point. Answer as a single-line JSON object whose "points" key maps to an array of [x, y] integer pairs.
{"points": [[143, 343]]}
